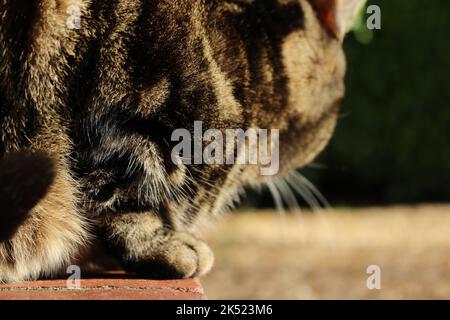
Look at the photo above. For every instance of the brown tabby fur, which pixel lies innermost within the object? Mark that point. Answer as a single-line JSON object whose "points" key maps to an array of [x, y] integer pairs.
{"points": [[101, 102]]}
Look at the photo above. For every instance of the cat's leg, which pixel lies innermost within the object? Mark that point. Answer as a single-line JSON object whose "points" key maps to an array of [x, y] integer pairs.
{"points": [[147, 247], [43, 240]]}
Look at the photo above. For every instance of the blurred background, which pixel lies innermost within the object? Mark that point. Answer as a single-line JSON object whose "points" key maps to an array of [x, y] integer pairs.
{"points": [[386, 173]]}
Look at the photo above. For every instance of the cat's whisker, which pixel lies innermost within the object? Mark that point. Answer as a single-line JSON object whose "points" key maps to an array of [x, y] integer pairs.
{"points": [[304, 192], [279, 206], [303, 187], [305, 182], [291, 200], [316, 165]]}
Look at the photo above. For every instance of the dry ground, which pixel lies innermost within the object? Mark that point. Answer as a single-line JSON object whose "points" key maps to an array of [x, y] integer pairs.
{"points": [[258, 256]]}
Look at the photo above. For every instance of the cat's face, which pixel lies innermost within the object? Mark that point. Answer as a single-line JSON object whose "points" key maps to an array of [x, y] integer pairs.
{"points": [[159, 66]]}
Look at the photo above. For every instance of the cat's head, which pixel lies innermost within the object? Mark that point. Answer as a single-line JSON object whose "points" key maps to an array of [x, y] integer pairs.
{"points": [[160, 71]]}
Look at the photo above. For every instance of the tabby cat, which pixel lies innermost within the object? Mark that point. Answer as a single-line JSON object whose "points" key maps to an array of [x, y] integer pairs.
{"points": [[87, 108]]}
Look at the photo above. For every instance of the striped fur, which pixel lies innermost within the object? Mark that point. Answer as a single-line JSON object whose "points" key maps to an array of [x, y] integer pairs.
{"points": [[102, 102]]}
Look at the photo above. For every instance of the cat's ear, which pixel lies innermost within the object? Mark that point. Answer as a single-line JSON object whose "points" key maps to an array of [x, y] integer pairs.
{"points": [[337, 16]]}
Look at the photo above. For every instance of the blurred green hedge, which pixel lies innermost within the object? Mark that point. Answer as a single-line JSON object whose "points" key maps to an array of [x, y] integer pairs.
{"points": [[392, 142]]}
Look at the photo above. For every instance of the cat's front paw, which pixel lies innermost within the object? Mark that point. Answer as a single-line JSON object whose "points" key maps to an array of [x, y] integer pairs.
{"points": [[174, 256]]}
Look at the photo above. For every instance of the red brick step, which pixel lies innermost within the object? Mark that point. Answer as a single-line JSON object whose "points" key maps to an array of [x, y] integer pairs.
{"points": [[114, 286]]}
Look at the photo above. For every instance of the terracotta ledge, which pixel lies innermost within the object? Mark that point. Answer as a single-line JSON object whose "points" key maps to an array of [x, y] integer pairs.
{"points": [[113, 286]]}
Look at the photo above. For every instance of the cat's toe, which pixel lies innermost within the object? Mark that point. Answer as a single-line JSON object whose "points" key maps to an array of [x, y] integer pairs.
{"points": [[204, 257], [181, 256]]}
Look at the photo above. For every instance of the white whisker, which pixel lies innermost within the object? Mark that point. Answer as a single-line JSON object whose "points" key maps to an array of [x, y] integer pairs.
{"points": [[304, 192], [309, 193], [305, 182], [279, 205], [291, 201]]}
